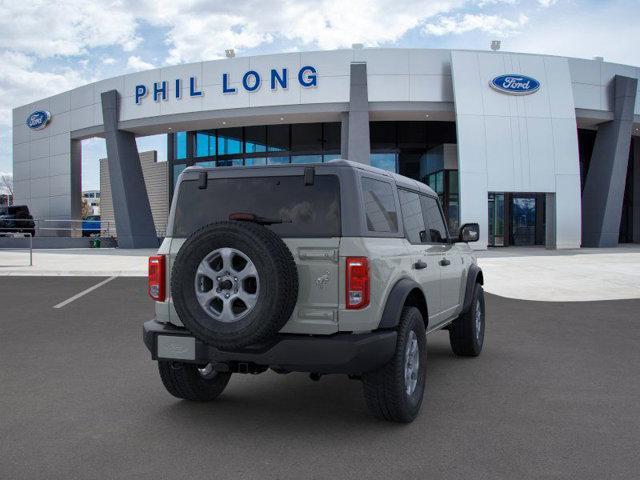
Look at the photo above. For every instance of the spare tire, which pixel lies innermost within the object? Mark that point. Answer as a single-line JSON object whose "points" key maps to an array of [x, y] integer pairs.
{"points": [[234, 284]]}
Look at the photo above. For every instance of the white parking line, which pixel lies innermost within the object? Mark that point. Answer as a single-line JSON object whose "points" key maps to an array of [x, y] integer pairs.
{"points": [[83, 293]]}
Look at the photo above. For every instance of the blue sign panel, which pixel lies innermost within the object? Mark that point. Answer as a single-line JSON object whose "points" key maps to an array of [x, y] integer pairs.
{"points": [[38, 119], [515, 84]]}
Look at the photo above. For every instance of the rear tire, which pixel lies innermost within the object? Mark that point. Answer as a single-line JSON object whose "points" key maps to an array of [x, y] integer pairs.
{"points": [[466, 333], [190, 382], [390, 392]]}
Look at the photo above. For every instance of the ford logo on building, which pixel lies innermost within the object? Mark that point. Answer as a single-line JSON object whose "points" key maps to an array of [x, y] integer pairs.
{"points": [[38, 119], [515, 84]]}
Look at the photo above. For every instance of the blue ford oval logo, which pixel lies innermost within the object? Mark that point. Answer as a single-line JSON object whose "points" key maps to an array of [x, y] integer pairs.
{"points": [[515, 84], [38, 119]]}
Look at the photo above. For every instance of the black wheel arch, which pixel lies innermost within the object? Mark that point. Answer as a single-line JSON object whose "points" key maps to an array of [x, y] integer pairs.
{"points": [[404, 292], [474, 276]]}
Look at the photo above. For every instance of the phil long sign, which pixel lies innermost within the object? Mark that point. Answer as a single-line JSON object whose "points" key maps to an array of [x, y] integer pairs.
{"points": [[515, 84], [250, 81]]}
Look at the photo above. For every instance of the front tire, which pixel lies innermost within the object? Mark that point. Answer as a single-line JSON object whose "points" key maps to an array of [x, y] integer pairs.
{"points": [[466, 333], [192, 382], [395, 392]]}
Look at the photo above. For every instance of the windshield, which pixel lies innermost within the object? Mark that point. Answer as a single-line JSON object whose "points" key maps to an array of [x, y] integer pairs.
{"points": [[305, 210]]}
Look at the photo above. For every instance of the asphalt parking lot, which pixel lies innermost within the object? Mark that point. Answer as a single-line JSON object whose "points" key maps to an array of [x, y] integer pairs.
{"points": [[555, 394]]}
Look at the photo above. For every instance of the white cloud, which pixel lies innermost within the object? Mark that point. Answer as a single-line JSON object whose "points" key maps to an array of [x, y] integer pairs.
{"points": [[108, 61], [323, 24], [547, 3], [491, 24], [71, 27], [21, 83], [136, 63]]}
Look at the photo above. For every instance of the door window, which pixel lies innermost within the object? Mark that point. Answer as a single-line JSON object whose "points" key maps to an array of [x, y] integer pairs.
{"points": [[437, 231], [412, 216]]}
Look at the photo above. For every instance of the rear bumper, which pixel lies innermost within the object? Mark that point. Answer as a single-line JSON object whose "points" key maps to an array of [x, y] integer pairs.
{"points": [[340, 353]]}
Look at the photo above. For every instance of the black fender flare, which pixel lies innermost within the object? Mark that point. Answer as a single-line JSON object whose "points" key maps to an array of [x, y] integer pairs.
{"points": [[474, 276], [395, 302]]}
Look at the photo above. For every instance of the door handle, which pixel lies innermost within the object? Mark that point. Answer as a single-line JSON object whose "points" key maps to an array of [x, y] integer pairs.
{"points": [[419, 265], [444, 262]]}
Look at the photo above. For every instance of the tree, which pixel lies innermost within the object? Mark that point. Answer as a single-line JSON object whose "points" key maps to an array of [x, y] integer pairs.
{"points": [[6, 186], [86, 208]]}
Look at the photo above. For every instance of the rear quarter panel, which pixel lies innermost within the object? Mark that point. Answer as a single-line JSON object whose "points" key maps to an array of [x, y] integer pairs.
{"points": [[389, 261]]}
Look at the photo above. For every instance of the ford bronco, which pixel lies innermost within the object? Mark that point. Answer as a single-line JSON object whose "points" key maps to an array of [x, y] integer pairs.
{"points": [[322, 268]]}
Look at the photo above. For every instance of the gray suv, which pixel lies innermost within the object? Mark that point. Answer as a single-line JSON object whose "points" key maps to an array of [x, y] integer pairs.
{"points": [[326, 268]]}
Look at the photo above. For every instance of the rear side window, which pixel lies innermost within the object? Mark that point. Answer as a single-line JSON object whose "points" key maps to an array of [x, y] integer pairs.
{"points": [[412, 216], [433, 220], [306, 211], [379, 206]]}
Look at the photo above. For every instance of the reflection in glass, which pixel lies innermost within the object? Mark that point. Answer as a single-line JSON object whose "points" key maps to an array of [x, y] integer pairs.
{"points": [[180, 150], [277, 160], [229, 141], [236, 162], [278, 138], [255, 161], [385, 161], [255, 139], [209, 164], [205, 144], [306, 158], [177, 170]]}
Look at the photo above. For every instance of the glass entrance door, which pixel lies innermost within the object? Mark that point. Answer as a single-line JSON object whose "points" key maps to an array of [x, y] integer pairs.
{"points": [[523, 220], [496, 220]]}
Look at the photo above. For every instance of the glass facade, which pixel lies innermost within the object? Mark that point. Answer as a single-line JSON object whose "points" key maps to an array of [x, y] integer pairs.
{"points": [[401, 147], [256, 145]]}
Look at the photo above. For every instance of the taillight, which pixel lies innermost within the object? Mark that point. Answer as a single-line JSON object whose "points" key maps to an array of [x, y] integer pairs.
{"points": [[157, 278], [357, 274]]}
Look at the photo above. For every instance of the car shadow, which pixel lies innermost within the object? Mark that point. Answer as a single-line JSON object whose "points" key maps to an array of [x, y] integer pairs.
{"points": [[294, 403]]}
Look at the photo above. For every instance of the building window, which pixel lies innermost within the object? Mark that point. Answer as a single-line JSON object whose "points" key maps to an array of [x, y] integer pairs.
{"points": [[385, 161], [205, 144], [254, 145], [278, 138], [255, 139], [180, 151], [229, 141]]}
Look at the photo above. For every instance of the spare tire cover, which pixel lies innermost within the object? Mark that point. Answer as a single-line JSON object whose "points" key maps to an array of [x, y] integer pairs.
{"points": [[234, 284]]}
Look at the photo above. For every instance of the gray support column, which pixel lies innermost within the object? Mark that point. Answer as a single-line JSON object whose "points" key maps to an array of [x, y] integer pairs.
{"points": [[76, 184], [358, 144], [550, 224], [344, 135], [604, 186], [132, 212], [636, 190]]}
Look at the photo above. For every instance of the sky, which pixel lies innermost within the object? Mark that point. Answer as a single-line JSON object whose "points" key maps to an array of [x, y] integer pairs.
{"points": [[48, 47]]}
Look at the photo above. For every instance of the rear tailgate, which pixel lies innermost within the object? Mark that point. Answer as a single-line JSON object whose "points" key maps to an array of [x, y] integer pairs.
{"points": [[316, 311]]}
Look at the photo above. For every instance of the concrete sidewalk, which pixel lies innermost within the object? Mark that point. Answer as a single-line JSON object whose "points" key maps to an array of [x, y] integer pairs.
{"points": [[522, 273], [86, 262], [584, 274]]}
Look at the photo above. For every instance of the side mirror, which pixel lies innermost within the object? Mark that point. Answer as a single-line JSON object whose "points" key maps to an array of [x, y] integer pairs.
{"points": [[469, 232]]}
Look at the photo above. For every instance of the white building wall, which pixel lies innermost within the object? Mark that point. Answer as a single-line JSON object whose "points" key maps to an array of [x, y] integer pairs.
{"points": [[509, 143]]}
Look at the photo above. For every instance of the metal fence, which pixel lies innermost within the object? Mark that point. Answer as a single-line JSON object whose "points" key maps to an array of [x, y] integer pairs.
{"points": [[52, 228], [21, 235]]}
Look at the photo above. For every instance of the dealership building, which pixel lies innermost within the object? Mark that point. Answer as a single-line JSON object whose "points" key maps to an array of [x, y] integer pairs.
{"points": [[538, 149]]}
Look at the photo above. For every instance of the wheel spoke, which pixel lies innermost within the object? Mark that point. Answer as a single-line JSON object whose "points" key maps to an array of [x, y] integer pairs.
{"points": [[205, 269], [248, 271], [205, 298], [247, 298], [226, 254]]}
